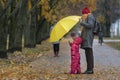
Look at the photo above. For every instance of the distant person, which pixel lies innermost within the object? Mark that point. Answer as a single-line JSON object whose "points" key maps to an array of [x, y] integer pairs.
{"points": [[87, 21], [75, 55], [100, 37], [55, 44]]}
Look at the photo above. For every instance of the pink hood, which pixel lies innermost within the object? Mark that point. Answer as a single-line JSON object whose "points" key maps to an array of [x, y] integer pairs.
{"points": [[77, 40]]}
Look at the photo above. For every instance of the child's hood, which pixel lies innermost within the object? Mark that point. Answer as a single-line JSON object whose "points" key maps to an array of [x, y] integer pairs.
{"points": [[78, 40]]}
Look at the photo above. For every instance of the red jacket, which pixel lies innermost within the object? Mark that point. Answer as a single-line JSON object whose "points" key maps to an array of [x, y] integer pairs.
{"points": [[75, 46]]}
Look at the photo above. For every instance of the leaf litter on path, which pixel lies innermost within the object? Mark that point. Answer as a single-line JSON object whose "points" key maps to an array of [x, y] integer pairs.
{"points": [[37, 64]]}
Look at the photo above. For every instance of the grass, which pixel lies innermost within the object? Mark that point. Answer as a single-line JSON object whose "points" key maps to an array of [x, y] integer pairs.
{"points": [[108, 38], [115, 45], [115, 38]]}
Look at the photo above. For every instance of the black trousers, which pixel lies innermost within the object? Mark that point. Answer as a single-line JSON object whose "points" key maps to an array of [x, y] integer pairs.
{"points": [[56, 48], [100, 39], [89, 58]]}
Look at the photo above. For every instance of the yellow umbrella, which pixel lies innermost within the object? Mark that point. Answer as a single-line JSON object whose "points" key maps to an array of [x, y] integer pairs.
{"points": [[63, 27]]}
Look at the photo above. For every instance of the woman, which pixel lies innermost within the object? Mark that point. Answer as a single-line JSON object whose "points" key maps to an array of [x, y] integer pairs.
{"points": [[87, 21]]}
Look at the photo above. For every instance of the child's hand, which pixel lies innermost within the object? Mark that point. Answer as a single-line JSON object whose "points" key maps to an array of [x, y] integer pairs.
{"points": [[80, 20], [69, 42]]}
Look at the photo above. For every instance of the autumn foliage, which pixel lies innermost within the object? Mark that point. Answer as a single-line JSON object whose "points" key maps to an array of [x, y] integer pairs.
{"points": [[63, 8]]}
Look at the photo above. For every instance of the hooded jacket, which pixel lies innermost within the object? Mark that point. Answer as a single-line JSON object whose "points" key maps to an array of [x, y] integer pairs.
{"points": [[75, 46], [87, 32]]}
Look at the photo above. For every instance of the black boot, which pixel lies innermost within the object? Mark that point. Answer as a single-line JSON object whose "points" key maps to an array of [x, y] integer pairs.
{"points": [[57, 54], [88, 72]]}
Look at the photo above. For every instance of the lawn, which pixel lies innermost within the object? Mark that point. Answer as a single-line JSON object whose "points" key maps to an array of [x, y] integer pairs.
{"points": [[115, 45]]}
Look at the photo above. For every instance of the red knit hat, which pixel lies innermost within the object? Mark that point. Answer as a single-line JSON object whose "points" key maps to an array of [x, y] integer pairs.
{"points": [[85, 10]]}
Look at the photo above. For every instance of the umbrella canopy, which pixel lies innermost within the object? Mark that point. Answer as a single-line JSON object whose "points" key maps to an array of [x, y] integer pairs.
{"points": [[62, 27]]}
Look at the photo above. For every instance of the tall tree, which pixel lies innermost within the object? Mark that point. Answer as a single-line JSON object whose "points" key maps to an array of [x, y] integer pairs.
{"points": [[107, 12], [30, 29], [3, 31], [15, 31]]}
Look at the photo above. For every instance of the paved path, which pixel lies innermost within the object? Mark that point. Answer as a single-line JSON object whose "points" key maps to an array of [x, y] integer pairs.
{"points": [[107, 60], [51, 64], [105, 55]]}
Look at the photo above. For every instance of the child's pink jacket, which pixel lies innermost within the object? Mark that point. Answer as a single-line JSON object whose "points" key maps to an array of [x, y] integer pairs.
{"points": [[75, 56], [75, 46]]}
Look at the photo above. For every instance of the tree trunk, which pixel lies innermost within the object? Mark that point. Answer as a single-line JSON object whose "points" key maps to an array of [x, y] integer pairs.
{"points": [[30, 29], [3, 35], [107, 29], [15, 36], [45, 31], [39, 30], [107, 16]]}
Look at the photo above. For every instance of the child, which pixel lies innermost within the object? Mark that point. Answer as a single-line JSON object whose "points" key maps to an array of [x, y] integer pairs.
{"points": [[55, 44], [75, 56], [56, 48]]}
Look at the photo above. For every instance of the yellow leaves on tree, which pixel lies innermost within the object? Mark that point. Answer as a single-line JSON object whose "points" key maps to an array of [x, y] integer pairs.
{"points": [[92, 4], [73, 7], [46, 11], [3, 2], [73, 1], [101, 18], [29, 5], [62, 9]]}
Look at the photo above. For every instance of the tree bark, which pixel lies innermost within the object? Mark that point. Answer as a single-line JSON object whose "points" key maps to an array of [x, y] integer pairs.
{"points": [[107, 16], [15, 33], [30, 29], [18, 20], [39, 30], [3, 35]]}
